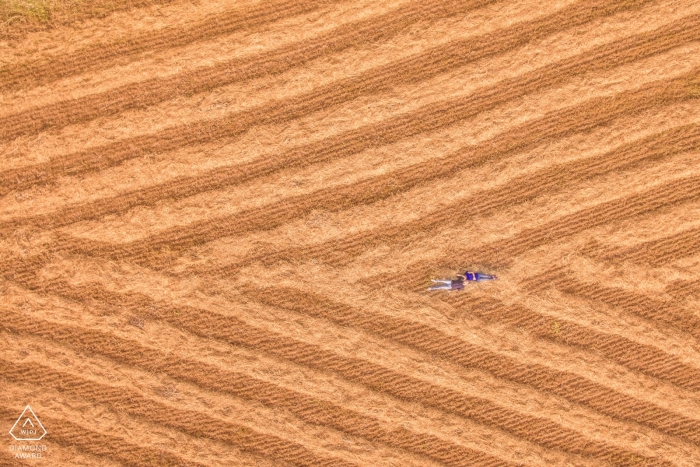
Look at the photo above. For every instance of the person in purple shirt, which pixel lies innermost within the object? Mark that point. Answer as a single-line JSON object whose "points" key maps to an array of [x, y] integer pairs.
{"points": [[479, 276], [450, 284]]}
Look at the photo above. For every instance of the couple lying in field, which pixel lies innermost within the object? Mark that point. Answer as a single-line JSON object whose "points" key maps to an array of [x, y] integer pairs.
{"points": [[458, 284]]}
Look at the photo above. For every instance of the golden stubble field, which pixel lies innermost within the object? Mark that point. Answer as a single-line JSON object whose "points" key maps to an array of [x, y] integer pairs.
{"points": [[218, 221]]}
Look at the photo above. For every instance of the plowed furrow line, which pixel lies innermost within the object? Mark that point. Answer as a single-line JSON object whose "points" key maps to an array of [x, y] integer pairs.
{"points": [[684, 289], [366, 192], [23, 270], [305, 407], [27, 75], [191, 422], [427, 339], [157, 90], [408, 71], [580, 118], [635, 356], [503, 252], [669, 194], [236, 332], [102, 445], [540, 282], [519, 190], [654, 253], [640, 305]]}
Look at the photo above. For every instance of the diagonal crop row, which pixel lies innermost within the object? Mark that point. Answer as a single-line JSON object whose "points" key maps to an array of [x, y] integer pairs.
{"points": [[407, 71], [101, 445], [156, 90], [27, 75], [633, 355], [653, 309], [191, 422], [579, 118], [519, 190], [376, 377], [430, 340], [305, 407], [538, 283], [650, 149], [682, 289], [655, 252], [346, 246], [502, 252]]}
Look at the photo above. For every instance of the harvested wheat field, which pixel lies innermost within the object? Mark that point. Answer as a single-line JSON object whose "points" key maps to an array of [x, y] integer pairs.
{"points": [[219, 221]]}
